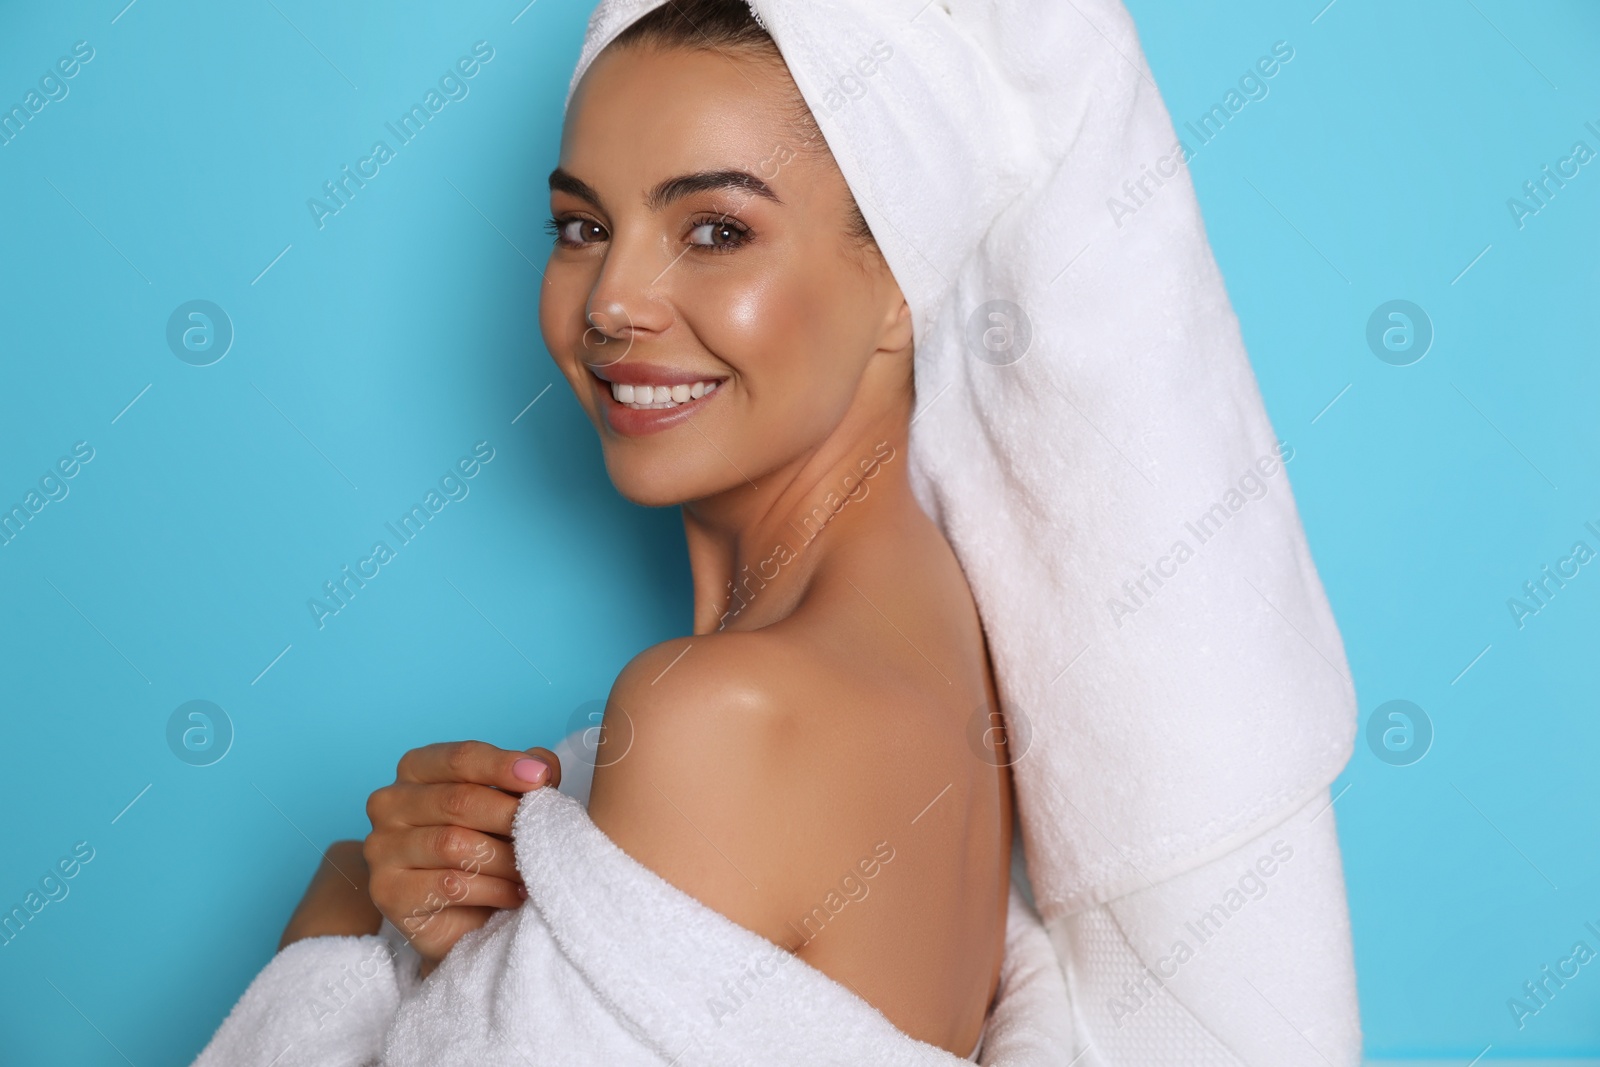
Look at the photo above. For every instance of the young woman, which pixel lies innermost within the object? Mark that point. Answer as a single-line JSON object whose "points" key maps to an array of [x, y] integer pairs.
{"points": [[1172, 675], [717, 304]]}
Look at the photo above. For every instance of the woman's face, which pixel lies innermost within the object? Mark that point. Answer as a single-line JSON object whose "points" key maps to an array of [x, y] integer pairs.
{"points": [[704, 271]]}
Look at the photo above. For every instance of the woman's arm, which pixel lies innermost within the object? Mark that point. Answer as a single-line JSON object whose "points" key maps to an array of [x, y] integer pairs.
{"points": [[337, 902]]}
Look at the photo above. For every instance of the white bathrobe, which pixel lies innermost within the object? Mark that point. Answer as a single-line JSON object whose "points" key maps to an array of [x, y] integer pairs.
{"points": [[606, 964]]}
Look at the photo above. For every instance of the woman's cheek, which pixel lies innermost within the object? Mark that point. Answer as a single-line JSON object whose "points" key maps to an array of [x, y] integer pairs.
{"points": [[561, 318], [560, 325], [741, 311], [555, 313], [755, 325]]}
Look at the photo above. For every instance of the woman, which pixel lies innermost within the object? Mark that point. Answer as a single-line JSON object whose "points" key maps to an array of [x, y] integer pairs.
{"points": [[1174, 693], [709, 253]]}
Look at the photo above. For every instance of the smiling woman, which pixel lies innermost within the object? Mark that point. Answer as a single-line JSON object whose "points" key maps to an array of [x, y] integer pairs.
{"points": [[740, 345], [750, 350]]}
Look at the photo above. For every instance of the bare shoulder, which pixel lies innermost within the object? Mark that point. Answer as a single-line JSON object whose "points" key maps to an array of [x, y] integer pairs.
{"points": [[782, 775], [706, 762]]}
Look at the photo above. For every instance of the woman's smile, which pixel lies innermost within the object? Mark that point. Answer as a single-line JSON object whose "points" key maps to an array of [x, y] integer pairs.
{"points": [[643, 398]]}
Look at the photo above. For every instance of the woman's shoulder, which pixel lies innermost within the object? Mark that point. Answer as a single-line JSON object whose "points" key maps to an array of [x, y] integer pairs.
{"points": [[703, 769], [739, 765]]}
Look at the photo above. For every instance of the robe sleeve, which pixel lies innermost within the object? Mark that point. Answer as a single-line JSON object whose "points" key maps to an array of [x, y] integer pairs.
{"points": [[321, 1002]]}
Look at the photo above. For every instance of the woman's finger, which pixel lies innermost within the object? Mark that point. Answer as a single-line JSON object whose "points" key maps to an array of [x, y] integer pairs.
{"points": [[412, 900], [437, 935], [549, 759], [453, 848], [475, 807], [482, 764]]}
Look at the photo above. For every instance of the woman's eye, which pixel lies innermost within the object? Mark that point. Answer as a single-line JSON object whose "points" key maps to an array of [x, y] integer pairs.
{"points": [[576, 231], [720, 235]]}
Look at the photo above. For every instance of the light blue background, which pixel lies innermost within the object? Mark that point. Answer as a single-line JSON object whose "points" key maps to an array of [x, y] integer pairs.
{"points": [[379, 349]]}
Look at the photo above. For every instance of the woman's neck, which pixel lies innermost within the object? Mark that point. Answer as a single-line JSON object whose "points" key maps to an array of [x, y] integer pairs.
{"points": [[754, 549]]}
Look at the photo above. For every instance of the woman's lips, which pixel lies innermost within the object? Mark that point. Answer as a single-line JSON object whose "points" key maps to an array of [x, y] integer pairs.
{"points": [[670, 402]]}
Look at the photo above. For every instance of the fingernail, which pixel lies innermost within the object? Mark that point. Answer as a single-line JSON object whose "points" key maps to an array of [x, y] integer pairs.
{"points": [[522, 892], [531, 770]]}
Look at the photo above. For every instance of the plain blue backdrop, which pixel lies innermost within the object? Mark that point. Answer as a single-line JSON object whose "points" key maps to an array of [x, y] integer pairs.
{"points": [[370, 353]]}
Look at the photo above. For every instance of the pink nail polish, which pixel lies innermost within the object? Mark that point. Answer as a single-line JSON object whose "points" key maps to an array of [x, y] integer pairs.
{"points": [[531, 770]]}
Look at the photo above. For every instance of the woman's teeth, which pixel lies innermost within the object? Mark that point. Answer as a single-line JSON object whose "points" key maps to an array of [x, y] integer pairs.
{"points": [[644, 397]]}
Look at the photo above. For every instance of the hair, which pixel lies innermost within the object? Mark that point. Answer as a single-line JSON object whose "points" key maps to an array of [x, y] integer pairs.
{"points": [[731, 26]]}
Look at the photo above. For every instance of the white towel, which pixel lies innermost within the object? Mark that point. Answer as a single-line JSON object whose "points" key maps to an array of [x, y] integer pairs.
{"points": [[606, 963]]}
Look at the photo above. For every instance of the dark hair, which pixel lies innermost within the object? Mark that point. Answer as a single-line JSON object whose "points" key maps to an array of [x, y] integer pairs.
{"points": [[724, 26]]}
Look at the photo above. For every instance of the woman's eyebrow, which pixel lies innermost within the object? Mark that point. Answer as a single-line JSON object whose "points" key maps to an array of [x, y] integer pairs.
{"points": [[702, 181], [671, 189], [562, 182]]}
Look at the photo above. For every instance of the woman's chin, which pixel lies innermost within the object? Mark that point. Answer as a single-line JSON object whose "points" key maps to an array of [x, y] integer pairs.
{"points": [[668, 481], [651, 499], [651, 485]]}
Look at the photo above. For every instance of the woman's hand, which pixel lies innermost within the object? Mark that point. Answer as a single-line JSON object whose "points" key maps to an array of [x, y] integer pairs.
{"points": [[337, 902], [440, 849]]}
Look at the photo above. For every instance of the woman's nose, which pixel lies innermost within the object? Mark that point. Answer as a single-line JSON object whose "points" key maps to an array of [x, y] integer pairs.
{"points": [[626, 304], [609, 336]]}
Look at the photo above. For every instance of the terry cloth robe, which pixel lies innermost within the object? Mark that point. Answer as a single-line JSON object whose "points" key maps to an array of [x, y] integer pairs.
{"points": [[606, 964]]}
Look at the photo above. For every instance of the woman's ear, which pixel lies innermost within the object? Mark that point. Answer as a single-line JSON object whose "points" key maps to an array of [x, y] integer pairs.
{"points": [[897, 331]]}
